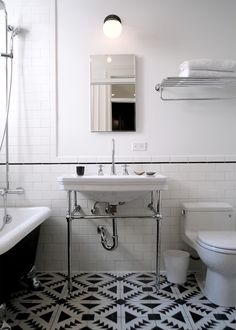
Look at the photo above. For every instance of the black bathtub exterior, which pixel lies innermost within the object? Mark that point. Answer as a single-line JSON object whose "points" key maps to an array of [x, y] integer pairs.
{"points": [[17, 262]]}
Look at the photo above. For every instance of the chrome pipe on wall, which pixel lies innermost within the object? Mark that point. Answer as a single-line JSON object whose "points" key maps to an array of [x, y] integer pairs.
{"points": [[8, 55]]}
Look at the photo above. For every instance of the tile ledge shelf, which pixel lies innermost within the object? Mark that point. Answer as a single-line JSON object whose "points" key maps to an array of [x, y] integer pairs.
{"points": [[162, 159]]}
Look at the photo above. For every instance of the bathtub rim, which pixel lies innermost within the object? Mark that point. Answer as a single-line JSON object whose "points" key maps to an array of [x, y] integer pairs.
{"points": [[9, 238]]}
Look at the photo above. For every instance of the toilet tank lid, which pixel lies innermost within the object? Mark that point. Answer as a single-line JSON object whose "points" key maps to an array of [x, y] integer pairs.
{"points": [[207, 207]]}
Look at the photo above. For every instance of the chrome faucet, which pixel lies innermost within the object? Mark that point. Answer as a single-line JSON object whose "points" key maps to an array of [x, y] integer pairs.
{"points": [[100, 169], [125, 169], [3, 191], [113, 168]]}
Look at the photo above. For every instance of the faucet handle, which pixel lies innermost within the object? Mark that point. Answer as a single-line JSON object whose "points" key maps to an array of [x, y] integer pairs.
{"points": [[125, 169], [100, 169], [3, 191]]}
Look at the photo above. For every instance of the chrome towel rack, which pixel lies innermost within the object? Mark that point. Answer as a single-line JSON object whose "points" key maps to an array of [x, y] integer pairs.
{"points": [[211, 83]]}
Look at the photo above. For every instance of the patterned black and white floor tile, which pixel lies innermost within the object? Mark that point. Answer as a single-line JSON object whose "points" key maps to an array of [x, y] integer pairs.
{"points": [[115, 301]]}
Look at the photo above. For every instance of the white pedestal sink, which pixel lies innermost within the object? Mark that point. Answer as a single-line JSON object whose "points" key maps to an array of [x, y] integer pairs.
{"points": [[113, 188]]}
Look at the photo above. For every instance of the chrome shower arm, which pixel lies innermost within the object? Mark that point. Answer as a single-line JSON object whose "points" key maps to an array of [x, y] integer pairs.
{"points": [[7, 55]]}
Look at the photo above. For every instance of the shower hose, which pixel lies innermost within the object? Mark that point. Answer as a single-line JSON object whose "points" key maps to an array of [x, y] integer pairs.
{"points": [[7, 107]]}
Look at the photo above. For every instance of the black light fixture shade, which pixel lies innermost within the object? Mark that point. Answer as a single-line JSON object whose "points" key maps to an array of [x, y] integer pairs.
{"points": [[113, 18]]}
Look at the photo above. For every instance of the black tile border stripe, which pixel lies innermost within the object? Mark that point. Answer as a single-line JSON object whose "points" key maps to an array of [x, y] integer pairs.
{"points": [[142, 163]]}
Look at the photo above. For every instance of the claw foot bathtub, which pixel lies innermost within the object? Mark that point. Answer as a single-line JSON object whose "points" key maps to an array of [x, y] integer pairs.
{"points": [[18, 244]]}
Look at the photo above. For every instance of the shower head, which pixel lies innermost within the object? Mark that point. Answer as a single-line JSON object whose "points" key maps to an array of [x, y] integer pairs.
{"points": [[14, 31], [2, 5]]}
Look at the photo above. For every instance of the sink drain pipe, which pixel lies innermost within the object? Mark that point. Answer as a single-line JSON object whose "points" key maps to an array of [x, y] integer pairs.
{"points": [[102, 232]]}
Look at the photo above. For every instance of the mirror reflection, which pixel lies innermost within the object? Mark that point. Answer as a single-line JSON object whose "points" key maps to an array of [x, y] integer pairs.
{"points": [[112, 93]]}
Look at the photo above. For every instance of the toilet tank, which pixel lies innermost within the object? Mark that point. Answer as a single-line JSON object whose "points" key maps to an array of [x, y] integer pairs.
{"points": [[207, 216]]}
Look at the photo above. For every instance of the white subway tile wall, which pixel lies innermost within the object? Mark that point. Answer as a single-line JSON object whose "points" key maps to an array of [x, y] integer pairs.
{"points": [[137, 238], [33, 90]]}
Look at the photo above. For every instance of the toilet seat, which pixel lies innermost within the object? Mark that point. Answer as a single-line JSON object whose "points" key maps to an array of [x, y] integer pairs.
{"points": [[219, 241]]}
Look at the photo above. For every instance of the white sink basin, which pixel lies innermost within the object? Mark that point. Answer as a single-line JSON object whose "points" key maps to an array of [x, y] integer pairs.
{"points": [[113, 188]]}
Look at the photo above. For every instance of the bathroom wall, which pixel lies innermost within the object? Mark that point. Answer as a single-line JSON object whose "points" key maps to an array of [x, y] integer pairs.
{"points": [[192, 143], [162, 34]]}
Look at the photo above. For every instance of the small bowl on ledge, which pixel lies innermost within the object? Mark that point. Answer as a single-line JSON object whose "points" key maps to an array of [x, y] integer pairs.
{"points": [[139, 172], [150, 173]]}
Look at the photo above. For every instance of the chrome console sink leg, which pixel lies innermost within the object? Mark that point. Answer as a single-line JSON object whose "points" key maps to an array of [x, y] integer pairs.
{"points": [[158, 237], [69, 250], [69, 241], [158, 255]]}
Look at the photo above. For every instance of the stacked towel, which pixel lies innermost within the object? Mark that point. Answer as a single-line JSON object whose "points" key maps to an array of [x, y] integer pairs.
{"points": [[206, 73], [208, 68]]}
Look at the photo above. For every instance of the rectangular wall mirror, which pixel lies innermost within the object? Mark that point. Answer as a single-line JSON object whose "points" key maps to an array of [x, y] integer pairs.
{"points": [[112, 93]]}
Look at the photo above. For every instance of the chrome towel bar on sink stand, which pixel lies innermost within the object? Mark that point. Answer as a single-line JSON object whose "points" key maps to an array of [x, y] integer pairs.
{"points": [[74, 213]]}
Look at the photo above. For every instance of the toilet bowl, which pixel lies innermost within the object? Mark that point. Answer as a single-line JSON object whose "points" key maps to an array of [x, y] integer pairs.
{"points": [[217, 250], [209, 228]]}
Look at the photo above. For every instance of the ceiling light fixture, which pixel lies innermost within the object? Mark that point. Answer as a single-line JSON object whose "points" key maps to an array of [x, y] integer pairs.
{"points": [[112, 26]]}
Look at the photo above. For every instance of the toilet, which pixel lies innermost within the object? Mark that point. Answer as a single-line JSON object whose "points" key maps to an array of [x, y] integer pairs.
{"points": [[210, 229]]}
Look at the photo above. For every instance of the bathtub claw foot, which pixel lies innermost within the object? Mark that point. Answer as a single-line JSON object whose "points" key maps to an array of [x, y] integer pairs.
{"points": [[2, 312], [33, 279], [36, 284], [5, 326]]}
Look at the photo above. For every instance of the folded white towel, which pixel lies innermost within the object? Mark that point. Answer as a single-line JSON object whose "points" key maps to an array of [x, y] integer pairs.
{"points": [[209, 64], [206, 73]]}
